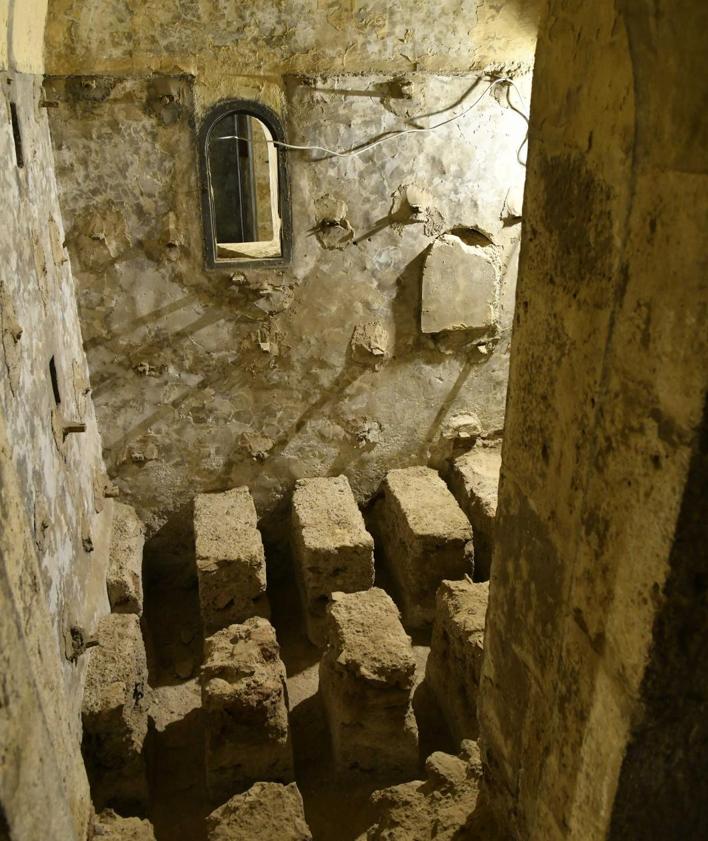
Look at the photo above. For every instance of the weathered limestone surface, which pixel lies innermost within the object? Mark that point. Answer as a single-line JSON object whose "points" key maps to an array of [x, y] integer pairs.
{"points": [[332, 549], [110, 826], [455, 662], [53, 544], [230, 559], [366, 679], [125, 563], [459, 288], [474, 480], [436, 809], [592, 644], [115, 713], [425, 537], [266, 812], [244, 697]]}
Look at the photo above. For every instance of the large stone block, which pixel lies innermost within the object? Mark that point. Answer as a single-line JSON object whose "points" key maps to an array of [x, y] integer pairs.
{"points": [[230, 559], [425, 538], [124, 581], [109, 826], [455, 662], [459, 288], [115, 714], [266, 812], [366, 679], [332, 549], [245, 703], [474, 480]]}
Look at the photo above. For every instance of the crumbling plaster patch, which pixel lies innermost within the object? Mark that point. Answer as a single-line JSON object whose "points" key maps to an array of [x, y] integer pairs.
{"points": [[193, 363]]}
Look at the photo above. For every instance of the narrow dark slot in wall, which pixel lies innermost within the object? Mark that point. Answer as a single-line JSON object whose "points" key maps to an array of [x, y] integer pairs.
{"points": [[17, 135], [55, 381]]}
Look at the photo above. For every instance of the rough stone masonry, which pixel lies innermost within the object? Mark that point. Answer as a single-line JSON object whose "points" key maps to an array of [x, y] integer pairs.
{"points": [[425, 537], [332, 549], [244, 696], [454, 665], [230, 559], [115, 714], [366, 679]]}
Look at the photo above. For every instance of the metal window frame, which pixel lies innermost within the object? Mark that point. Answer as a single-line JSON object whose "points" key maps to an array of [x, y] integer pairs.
{"points": [[272, 122]]}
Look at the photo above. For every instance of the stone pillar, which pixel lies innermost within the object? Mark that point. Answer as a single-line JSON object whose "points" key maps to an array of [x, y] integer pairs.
{"points": [[366, 679], [331, 547], [455, 660], [425, 537], [474, 481], [245, 702], [230, 559], [125, 563], [115, 714]]}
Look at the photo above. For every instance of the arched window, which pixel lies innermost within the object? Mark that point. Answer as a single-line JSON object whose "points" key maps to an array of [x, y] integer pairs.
{"points": [[244, 186]]}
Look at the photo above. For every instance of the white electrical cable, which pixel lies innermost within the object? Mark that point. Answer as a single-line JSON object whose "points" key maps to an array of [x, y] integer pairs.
{"points": [[356, 150]]}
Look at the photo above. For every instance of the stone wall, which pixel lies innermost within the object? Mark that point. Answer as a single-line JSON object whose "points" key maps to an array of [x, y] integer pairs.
{"points": [[606, 394], [53, 538], [217, 39], [207, 379]]}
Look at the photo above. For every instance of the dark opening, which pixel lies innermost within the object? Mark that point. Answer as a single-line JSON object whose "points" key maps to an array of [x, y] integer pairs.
{"points": [[233, 180], [244, 186], [16, 135], [55, 381]]}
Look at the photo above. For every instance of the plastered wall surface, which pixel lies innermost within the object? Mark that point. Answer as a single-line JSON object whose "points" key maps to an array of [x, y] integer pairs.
{"points": [[606, 395], [54, 539], [26, 34], [296, 36], [208, 379]]}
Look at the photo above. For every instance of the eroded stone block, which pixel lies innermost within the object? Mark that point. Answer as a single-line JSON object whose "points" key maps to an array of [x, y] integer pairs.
{"points": [[474, 480], [266, 812], [125, 563], [438, 807], [244, 698], [114, 713], [425, 537], [332, 549], [455, 662], [366, 679], [459, 288], [109, 826], [230, 559]]}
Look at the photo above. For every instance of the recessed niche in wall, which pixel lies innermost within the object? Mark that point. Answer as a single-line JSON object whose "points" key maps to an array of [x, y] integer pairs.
{"points": [[244, 186], [17, 135]]}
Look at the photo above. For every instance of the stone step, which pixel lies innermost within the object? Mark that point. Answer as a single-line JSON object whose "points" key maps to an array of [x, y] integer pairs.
{"points": [[332, 549]]}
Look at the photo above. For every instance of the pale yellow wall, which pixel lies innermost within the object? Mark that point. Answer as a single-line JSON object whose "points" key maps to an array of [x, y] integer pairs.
{"points": [[23, 21], [4, 10]]}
